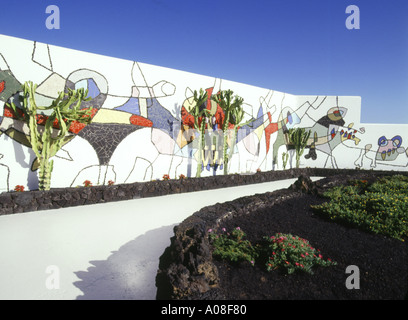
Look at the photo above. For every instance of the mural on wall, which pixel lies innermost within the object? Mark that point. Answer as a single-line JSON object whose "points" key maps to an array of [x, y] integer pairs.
{"points": [[142, 126]]}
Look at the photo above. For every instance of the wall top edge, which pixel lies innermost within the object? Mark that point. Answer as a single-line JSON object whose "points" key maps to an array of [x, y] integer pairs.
{"points": [[164, 67]]}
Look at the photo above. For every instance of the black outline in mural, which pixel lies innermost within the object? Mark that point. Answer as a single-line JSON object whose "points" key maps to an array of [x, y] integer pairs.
{"points": [[5, 61], [49, 56]]}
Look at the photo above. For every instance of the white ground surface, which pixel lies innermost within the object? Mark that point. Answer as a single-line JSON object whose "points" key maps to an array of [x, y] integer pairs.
{"points": [[104, 251]]}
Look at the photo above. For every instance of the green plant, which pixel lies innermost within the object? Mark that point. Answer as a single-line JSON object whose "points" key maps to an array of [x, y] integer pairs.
{"points": [[292, 253], [233, 115], [46, 141], [279, 251], [298, 137], [200, 114], [380, 208], [232, 246], [285, 158], [236, 119]]}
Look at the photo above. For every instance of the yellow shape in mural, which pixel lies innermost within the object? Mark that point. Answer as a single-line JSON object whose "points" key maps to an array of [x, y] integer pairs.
{"points": [[112, 116]]}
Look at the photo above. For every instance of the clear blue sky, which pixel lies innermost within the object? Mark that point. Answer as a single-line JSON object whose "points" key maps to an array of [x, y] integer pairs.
{"points": [[293, 46]]}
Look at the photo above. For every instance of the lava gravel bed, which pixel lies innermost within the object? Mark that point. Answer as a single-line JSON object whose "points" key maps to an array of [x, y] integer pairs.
{"points": [[382, 262]]}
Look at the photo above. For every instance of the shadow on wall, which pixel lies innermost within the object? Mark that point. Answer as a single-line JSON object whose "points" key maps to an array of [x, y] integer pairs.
{"points": [[129, 273]]}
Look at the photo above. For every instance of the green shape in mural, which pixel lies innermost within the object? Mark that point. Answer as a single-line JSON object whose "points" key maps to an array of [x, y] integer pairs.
{"points": [[9, 85]]}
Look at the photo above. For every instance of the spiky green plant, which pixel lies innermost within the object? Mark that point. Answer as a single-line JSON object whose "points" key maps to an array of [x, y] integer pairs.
{"points": [[285, 158], [200, 112], [233, 114], [298, 138], [45, 140], [237, 116]]}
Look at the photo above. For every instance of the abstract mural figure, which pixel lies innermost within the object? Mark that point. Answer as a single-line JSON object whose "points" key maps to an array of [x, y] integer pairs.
{"points": [[328, 133], [390, 152]]}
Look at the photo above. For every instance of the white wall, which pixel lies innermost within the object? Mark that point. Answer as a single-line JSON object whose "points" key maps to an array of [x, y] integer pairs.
{"points": [[112, 148]]}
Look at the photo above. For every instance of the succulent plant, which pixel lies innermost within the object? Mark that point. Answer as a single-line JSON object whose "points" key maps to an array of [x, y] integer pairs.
{"points": [[233, 114], [200, 114], [298, 137], [46, 140]]}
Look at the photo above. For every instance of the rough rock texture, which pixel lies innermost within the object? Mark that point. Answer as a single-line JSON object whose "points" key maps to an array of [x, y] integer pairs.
{"points": [[188, 271], [17, 202]]}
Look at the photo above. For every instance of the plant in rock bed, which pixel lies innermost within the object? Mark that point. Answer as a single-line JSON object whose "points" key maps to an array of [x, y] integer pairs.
{"points": [[19, 188], [232, 246], [292, 253], [87, 183], [381, 207]]}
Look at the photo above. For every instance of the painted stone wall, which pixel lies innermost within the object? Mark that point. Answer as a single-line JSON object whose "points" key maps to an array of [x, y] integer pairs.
{"points": [[142, 127]]}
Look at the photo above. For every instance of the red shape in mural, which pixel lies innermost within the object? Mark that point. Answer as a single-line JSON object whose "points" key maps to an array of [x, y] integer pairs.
{"points": [[140, 121], [75, 126], [2, 86], [270, 129], [188, 120]]}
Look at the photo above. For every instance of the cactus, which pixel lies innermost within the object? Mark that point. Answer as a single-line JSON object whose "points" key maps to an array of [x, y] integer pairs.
{"points": [[47, 141], [199, 112], [237, 115], [285, 157], [233, 114], [298, 138]]}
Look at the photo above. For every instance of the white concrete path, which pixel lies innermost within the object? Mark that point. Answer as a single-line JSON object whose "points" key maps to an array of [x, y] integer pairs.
{"points": [[104, 251]]}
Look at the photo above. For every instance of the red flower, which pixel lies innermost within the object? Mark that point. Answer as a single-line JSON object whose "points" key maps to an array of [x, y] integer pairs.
{"points": [[87, 183], [19, 188]]}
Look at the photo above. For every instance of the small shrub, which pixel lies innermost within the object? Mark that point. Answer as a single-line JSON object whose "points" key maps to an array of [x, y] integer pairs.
{"points": [[166, 177], [111, 183], [232, 246], [380, 208], [182, 177], [293, 253], [280, 250]]}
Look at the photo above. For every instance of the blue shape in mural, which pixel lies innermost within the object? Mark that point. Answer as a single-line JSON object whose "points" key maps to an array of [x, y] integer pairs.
{"points": [[131, 106], [161, 117], [93, 90]]}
